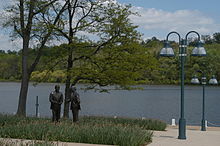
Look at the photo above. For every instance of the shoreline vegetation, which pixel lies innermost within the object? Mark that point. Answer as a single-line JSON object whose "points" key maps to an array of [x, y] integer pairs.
{"points": [[157, 70], [141, 84], [93, 130]]}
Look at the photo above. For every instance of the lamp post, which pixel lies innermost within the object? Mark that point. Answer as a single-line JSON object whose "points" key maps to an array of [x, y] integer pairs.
{"points": [[212, 81], [167, 51]]}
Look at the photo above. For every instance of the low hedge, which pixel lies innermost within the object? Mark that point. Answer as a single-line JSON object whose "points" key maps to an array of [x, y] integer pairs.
{"points": [[95, 130]]}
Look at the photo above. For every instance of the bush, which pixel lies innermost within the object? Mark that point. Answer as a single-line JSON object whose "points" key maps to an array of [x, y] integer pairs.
{"points": [[146, 124], [96, 130]]}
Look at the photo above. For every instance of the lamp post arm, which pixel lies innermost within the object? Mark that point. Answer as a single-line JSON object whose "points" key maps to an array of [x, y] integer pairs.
{"points": [[190, 33], [173, 32]]}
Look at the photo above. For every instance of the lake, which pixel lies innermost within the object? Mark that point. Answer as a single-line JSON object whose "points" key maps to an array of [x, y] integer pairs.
{"points": [[154, 101]]}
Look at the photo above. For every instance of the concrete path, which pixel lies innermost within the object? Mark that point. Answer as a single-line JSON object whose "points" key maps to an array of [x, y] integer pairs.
{"points": [[194, 137], [19, 142]]}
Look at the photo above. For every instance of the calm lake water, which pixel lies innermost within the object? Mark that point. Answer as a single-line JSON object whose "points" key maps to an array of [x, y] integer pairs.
{"points": [[155, 101]]}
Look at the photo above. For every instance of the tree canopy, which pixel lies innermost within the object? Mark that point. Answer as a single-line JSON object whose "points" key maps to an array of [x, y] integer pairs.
{"points": [[113, 64]]}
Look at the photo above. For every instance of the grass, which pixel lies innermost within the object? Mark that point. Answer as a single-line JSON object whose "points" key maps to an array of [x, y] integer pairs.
{"points": [[96, 130], [145, 124]]}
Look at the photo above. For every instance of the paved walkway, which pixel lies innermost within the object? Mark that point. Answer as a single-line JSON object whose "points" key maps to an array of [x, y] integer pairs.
{"points": [[194, 137], [19, 142]]}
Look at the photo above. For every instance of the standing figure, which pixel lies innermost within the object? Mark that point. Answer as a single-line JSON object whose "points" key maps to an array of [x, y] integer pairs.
{"points": [[56, 99], [75, 103]]}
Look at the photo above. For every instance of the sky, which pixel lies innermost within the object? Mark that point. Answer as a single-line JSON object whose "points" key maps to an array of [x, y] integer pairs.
{"points": [[159, 17]]}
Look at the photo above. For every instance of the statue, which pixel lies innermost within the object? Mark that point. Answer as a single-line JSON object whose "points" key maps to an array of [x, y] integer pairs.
{"points": [[56, 99], [75, 103]]}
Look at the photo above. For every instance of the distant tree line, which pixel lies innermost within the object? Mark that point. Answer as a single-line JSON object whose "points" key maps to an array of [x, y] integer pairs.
{"points": [[145, 55]]}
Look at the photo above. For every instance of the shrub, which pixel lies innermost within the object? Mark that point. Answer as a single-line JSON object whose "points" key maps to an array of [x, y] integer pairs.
{"points": [[96, 130]]}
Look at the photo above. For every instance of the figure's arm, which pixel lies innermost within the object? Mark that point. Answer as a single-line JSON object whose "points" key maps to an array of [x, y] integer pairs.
{"points": [[51, 98], [77, 98], [61, 99]]}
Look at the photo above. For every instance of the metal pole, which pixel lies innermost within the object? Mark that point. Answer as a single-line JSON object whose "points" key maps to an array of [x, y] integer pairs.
{"points": [[182, 121], [37, 105], [203, 127]]}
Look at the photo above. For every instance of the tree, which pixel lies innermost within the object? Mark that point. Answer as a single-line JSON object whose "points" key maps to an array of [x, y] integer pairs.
{"points": [[216, 37], [117, 65], [27, 18], [104, 20], [207, 39], [10, 68]]}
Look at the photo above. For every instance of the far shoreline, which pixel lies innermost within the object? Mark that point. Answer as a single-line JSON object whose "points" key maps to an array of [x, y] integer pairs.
{"points": [[33, 84]]}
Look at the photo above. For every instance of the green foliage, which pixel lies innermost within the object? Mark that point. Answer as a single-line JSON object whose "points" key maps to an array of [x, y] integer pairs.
{"points": [[115, 57], [146, 124], [81, 134], [116, 64], [57, 76], [216, 37], [10, 68], [96, 130]]}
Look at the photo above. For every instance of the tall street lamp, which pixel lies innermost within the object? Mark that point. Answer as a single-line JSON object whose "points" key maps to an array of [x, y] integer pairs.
{"points": [[212, 81], [167, 51]]}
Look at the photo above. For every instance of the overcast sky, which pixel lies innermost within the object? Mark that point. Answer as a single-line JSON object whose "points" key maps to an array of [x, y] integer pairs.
{"points": [[159, 17]]}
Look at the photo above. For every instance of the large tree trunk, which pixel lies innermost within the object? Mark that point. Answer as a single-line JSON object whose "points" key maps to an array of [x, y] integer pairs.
{"points": [[66, 103], [67, 88], [23, 95], [25, 33], [25, 79], [70, 58]]}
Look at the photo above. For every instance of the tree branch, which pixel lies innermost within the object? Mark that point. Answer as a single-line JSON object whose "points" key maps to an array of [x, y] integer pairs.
{"points": [[79, 21], [45, 40], [22, 16], [43, 7]]}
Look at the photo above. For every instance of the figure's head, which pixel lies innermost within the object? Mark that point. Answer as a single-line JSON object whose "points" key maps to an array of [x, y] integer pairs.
{"points": [[57, 88]]}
